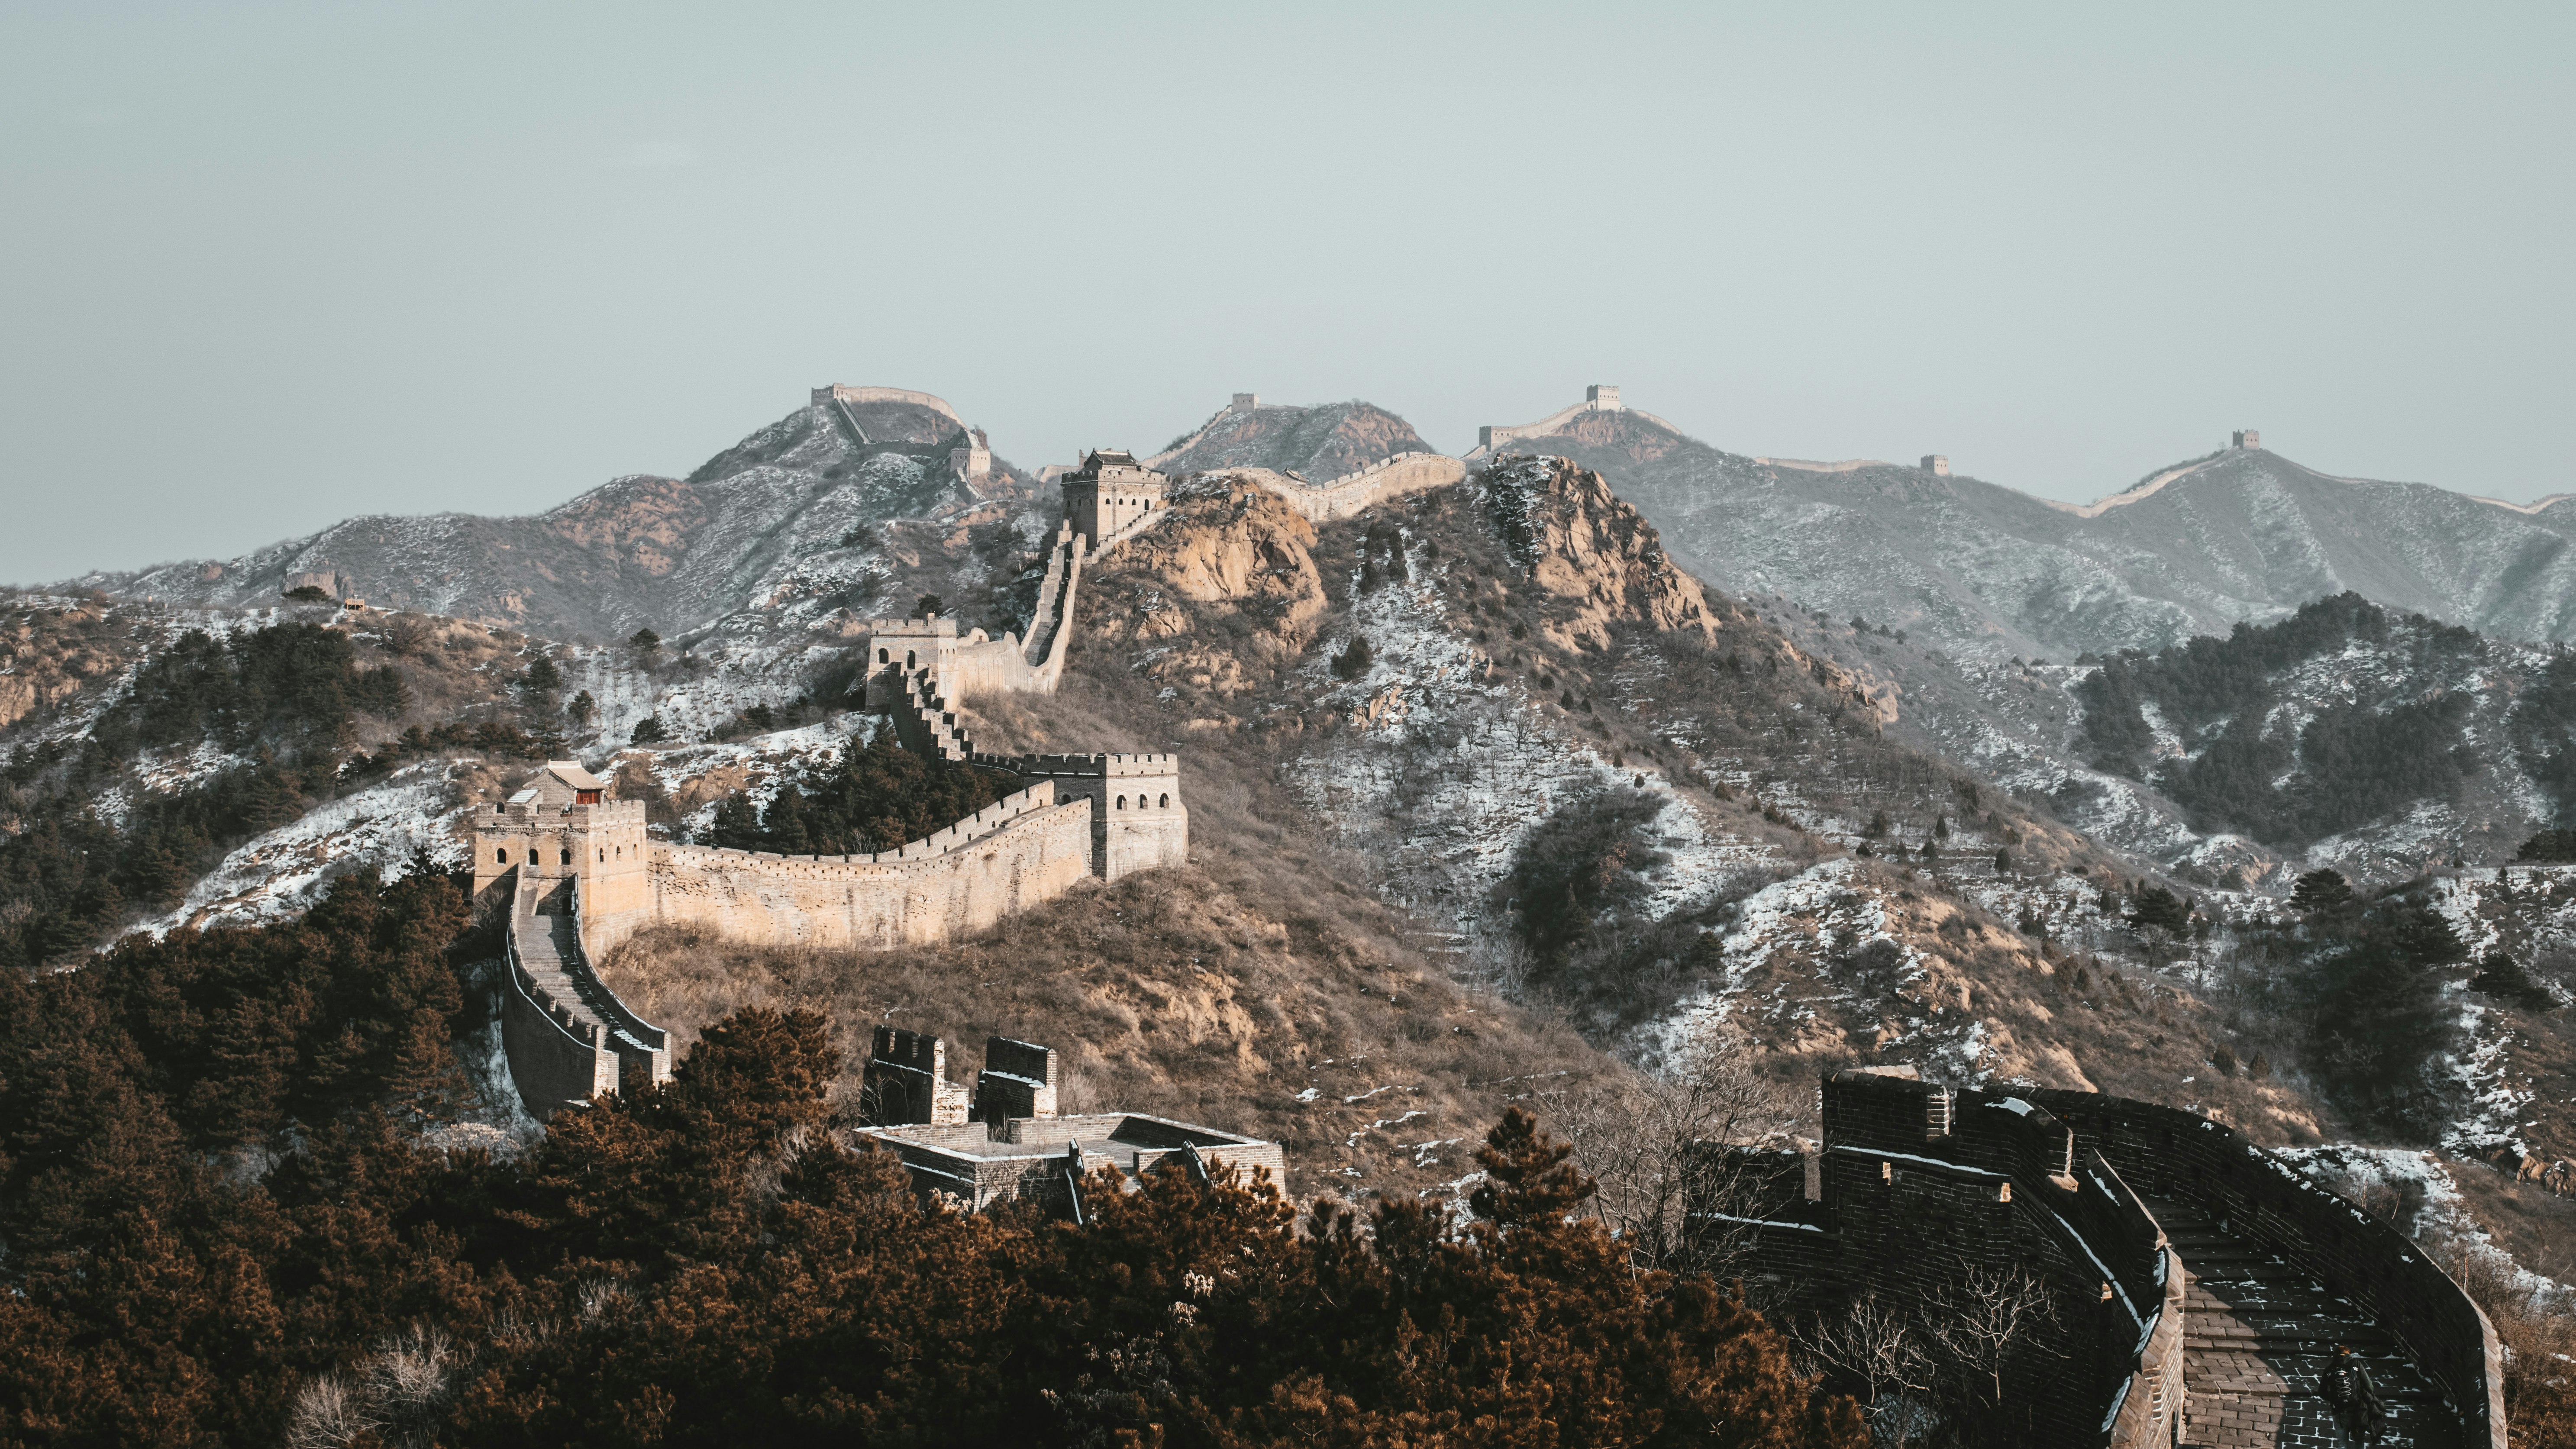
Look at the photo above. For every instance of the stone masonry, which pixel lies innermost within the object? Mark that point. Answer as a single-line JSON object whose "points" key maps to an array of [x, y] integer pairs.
{"points": [[2160, 1314], [1008, 1143]]}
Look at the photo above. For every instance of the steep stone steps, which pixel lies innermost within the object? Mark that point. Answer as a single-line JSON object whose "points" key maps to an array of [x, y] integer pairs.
{"points": [[548, 946], [2257, 1334]]}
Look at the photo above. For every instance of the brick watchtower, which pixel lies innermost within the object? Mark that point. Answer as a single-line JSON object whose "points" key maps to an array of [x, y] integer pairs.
{"points": [[1109, 491], [562, 829]]}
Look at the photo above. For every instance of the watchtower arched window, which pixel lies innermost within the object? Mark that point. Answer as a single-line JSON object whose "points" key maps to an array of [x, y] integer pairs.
{"points": [[1165, 803], [885, 656], [910, 657], [567, 858], [603, 853], [532, 856], [1122, 802], [501, 857]]}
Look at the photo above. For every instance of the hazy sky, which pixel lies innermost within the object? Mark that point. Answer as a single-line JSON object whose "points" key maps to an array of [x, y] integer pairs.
{"points": [[264, 266]]}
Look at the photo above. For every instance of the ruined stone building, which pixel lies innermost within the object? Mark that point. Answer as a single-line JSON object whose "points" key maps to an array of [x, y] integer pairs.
{"points": [[2194, 1283], [1005, 1141]]}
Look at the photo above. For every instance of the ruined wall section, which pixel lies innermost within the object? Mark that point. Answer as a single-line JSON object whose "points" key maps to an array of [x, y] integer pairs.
{"points": [[1012, 855]]}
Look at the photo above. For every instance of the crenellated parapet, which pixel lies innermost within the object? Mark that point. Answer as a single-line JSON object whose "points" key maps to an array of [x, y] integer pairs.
{"points": [[1138, 819]]}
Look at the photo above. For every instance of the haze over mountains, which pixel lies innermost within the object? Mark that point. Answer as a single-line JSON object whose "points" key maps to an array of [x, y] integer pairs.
{"points": [[1981, 570]]}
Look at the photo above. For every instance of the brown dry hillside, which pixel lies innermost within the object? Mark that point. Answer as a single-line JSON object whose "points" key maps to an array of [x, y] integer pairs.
{"points": [[1339, 966], [1282, 1004]]}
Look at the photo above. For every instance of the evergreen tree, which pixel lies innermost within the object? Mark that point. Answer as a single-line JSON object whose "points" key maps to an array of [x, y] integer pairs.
{"points": [[2322, 889]]}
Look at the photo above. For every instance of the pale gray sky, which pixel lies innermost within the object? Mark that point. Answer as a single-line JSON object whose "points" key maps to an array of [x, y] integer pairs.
{"points": [[266, 266]]}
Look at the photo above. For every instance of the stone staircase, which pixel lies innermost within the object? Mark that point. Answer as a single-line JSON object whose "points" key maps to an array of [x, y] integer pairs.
{"points": [[546, 942], [2257, 1334]]}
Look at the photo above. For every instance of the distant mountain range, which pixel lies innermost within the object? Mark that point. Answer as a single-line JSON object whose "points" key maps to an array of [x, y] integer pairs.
{"points": [[2242, 534]]}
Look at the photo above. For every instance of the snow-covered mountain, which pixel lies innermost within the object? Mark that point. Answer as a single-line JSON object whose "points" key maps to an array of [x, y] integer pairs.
{"points": [[1987, 572], [1314, 443], [773, 514]]}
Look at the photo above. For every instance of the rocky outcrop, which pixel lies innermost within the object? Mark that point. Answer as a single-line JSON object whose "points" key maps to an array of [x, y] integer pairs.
{"points": [[1230, 581], [1584, 544]]}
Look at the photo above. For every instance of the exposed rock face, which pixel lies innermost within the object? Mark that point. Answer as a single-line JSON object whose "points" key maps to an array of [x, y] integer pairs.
{"points": [[1582, 542], [1317, 443], [1230, 575]]}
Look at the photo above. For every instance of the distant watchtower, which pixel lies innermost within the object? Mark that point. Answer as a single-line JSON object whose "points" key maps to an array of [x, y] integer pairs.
{"points": [[1245, 402], [1109, 491], [1602, 397], [2249, 440], [1936, 464]]}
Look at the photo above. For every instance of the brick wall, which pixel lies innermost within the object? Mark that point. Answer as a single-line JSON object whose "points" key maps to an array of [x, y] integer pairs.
{"points": [[2165, 1152], [1916, 1184]]}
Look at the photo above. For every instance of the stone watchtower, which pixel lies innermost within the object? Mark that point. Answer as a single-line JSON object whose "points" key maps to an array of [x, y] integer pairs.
{"points": [[1936, 464], [563, 832], [1109, 491], [2249, 439]]}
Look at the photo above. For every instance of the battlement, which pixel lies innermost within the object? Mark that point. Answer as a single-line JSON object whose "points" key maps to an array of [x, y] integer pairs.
{"points": [[1097, 765], [906, 1080], [938, 626]]}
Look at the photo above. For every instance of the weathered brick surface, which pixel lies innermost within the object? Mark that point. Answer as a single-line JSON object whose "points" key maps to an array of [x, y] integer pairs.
{"points": [[2262, 1201]]}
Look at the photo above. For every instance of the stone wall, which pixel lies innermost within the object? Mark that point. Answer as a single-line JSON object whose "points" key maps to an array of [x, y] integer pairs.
{"points": [[2165, 1152], [1012, 855], [1916, 1184], [841, 394], [1351, 493], [1138, 821]]}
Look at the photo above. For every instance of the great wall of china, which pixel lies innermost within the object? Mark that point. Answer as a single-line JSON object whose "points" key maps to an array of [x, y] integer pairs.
{"points": [[2195, 1284], [576, 872], [2195, 1281]]}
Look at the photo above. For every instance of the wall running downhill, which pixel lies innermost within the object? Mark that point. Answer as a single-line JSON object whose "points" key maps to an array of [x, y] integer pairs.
{"points": [[1018, 853], [567, 1036], [2168, 1153]]}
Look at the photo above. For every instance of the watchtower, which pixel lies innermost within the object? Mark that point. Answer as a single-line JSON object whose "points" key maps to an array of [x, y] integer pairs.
{"points": [[564, 832], [2249, 440], [1602, 397], [1109, 491], [1936, 464], [1245, 402], [1137, 818]]}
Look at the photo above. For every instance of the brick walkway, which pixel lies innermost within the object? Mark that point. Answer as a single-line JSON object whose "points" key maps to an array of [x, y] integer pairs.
{"points": [[2258, 1333]]}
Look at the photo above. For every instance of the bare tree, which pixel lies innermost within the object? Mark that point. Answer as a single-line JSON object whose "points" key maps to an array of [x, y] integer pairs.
{"points": [[1656, 1146], [1985, 1320], [1876, 1351]]}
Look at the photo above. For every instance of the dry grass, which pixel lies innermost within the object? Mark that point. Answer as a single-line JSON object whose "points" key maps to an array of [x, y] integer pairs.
{"points": [[1171, 993]]}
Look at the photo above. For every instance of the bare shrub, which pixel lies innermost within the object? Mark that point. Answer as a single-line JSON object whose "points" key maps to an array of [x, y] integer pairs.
{"points": [[1655, 1144]]}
